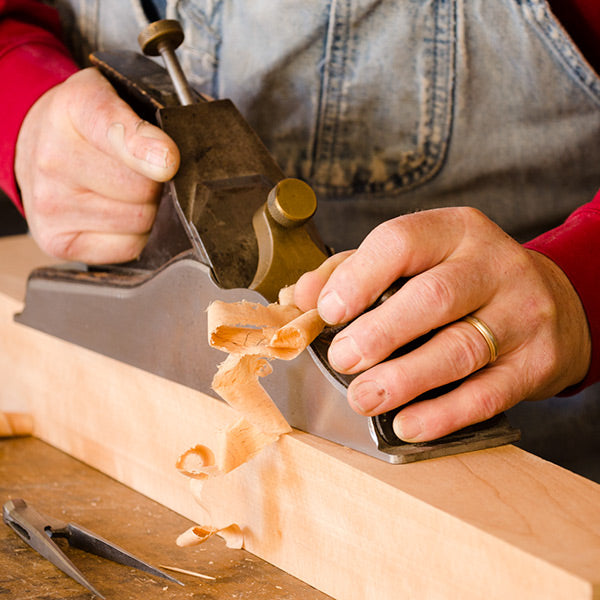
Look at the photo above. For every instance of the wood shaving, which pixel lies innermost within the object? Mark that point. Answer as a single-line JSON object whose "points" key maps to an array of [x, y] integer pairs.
{"points": [[273, 331], [246, 327], [286, 295], [252, 334], [197, 462], [238, 444], [296, 335], [248, 441], [237, 382], [13, 424], [186, 572], [232, 535]]}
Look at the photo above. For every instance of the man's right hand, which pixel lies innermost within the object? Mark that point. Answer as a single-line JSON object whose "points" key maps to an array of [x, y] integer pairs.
{"points": [[90, 171]]}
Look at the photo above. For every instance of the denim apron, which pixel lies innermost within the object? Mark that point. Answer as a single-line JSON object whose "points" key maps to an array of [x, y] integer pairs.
{"points": [[390, 106]]}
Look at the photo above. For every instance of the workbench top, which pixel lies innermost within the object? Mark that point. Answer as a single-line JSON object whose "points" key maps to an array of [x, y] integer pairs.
{"points": [[60, 486]]}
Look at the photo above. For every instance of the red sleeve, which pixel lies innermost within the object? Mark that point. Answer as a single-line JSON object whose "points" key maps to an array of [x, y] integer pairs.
{"points": [[575, 248], [32, 60]]}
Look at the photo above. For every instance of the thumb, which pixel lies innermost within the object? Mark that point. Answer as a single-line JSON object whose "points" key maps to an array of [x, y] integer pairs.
{"points": [[144, 148], [110, 124]]}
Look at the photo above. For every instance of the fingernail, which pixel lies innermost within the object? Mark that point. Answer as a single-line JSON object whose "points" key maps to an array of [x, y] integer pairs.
{"points": [[116, 135], [408, 428], [147, 148], [367, 396], [344, 354], [331, 308], [159, 157]]}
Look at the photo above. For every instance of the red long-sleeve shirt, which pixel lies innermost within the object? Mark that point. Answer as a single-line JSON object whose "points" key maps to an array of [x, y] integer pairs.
{"points": [[32, 60]]}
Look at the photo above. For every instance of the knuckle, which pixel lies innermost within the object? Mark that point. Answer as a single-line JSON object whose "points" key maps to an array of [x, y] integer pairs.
{"points": [[58, 245], [470, 213], [379, 336], [390, 229], [435, 290], [389, 238], [48, 162], [131, 248], [142, 218], [42, 204], [471, 216], [466, 353], [488, 404], [541, 309]]}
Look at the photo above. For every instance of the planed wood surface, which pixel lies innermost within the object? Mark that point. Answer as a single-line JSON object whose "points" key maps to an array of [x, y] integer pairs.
{"points": [[498, 523]]}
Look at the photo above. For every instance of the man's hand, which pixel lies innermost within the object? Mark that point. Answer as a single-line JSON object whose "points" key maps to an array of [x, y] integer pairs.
{"points": [[460, 263], [89, 171]]}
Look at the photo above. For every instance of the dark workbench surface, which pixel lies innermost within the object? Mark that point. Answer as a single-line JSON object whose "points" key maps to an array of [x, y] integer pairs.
{"points": [[60, 486]]}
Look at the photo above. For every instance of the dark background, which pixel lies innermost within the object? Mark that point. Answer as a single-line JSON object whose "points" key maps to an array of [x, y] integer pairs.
{"points": [[11, 221]]}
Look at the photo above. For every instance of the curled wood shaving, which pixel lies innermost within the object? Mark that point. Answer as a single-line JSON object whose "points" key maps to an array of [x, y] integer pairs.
{"points": [[241, 442], [197, 462], [299, 333], [198, 534], [273, 331], [246, 327], [13, 424], [237, 383], [195, 535], [238, 444], [252, 334], [286, 295]]}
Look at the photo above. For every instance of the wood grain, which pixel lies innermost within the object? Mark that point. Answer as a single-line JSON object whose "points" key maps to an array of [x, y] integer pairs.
{"points": [[498, 523]]}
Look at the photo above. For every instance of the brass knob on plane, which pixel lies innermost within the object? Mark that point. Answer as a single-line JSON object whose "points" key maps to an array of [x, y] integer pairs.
{"points": [[286, 249], [162, 37], [291, 203]]}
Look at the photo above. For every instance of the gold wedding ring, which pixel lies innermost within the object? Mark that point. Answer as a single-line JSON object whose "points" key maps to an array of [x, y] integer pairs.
{"points": [[486, 332]]}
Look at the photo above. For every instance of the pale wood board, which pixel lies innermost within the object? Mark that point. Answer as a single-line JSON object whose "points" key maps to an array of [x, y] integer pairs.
{"points": [[491, 524]]}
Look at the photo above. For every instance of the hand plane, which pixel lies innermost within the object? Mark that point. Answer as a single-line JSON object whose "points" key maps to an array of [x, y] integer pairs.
{"points": [[229, 227]]}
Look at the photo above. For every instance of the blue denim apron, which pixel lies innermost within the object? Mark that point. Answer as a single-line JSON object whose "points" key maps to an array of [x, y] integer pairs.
{"points": [[391, 106]]}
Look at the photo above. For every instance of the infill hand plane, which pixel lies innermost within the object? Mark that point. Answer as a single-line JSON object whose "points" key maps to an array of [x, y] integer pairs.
{"points": [[229, 227]]}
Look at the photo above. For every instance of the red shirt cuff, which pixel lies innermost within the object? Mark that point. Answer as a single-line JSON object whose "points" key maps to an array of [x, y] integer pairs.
{"points": [[575, 248], [32, 61]]}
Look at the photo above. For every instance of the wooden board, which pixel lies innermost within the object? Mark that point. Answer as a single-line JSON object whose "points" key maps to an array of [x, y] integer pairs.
{"points": [[498, 523]]}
